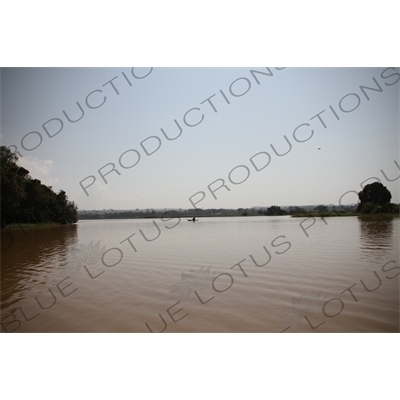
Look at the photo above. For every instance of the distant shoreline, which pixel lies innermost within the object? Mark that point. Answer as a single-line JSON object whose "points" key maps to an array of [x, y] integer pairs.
{"points": [[31, 225], [350, 214], [298, 215]]}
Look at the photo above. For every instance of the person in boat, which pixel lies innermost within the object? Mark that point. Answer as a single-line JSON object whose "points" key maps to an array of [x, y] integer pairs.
{"points": [[194, 219]]}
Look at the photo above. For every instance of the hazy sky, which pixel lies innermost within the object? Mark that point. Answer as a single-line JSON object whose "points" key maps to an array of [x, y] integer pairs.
{"points": [[361, 136]]}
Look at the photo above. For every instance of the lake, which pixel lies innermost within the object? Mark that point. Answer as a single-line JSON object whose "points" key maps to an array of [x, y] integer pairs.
{"points": [[232, 274]]}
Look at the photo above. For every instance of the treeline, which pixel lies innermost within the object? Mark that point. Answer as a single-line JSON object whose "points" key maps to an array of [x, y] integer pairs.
{"points": [[319, 211], [273, 210], [183, 213], [27, 200], [373, 199]]}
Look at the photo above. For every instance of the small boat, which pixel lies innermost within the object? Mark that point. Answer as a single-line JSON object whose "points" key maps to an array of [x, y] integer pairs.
{"points": [[192, 220]]}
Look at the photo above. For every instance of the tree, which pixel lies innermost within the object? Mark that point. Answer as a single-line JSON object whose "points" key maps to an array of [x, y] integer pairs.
{"points": [[27, 200], [13, 179], [373, 197], [275, 210]]}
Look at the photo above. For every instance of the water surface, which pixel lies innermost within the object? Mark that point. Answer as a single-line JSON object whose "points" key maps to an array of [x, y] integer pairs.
{"points": [[267, 274]]}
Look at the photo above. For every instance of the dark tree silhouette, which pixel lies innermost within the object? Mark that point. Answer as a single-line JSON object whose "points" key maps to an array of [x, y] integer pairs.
{"points": [[275, 210], [27, 200], [373, 196]]}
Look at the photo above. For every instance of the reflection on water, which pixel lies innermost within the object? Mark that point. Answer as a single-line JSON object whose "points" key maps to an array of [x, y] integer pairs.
{"points": [[254, 274], [376, 238], [31, 257]]}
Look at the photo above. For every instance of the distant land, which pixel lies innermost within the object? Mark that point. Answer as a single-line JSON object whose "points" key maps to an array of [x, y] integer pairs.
{"points": [[212, 212]]}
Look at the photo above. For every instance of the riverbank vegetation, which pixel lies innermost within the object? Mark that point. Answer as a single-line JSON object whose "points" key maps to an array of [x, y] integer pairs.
{"points": [[306, 211], [374, 202], [184, 213], [377, 210], [32, 226], [27, 201]]}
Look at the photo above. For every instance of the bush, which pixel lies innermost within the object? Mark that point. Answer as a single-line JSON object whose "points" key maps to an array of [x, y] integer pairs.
{"points": [[368, 208]]}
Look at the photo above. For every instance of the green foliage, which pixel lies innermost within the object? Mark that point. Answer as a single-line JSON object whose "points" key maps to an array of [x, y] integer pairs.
{"points": [[297, 210], [375, 199], [27, 200], [387, 208], [368, 208], [275, 210]]}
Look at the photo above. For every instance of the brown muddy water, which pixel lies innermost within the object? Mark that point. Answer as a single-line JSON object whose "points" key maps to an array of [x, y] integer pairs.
{"points": [[244, 274]]}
